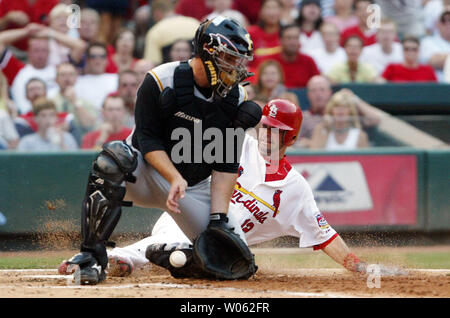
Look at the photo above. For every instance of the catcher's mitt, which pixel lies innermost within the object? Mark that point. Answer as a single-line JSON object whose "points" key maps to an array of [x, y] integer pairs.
{"points": [[221, 253]]}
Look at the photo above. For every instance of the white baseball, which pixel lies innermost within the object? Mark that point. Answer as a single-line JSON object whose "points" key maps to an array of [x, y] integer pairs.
{"points": [[177, 258]]}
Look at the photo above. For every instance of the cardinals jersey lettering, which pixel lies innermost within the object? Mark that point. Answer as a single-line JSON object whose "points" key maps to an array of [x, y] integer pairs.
{"points": [[269, 209]]}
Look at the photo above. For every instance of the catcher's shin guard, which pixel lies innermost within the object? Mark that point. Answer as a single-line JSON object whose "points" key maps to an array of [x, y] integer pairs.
{"points": [[102, 205]]}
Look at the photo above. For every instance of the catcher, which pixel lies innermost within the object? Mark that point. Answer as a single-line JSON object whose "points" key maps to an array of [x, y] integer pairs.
{"points": [[192, 96], [270, 200]]}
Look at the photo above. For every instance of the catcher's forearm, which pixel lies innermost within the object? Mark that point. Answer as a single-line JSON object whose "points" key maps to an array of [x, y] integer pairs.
{"points": [[222, 187], [340, 253], [161, 162]]}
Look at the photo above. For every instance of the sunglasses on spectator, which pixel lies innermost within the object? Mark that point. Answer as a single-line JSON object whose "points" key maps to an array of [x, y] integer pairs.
{"points": [[409, 48], [97, 56]]}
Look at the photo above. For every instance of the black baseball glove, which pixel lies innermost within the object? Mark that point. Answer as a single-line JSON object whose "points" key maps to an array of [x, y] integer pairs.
{"points": [[221, 253]]}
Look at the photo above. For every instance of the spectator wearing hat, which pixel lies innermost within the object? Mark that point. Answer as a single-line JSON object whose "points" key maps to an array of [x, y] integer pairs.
{"points": [[169, 28]]}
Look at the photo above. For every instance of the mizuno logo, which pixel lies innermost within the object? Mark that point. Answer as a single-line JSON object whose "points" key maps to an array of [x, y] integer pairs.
{"points": [[212, 71], [188, 117]]}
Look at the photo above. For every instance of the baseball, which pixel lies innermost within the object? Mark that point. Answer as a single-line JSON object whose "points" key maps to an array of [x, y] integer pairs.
{"points": [[177, 258]]}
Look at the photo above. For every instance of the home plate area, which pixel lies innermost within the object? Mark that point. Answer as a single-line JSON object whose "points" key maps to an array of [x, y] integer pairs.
{"points": [[154, 282]]}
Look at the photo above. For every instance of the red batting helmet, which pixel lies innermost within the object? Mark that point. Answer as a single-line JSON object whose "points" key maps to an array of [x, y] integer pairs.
{"points": [[284, 115]]}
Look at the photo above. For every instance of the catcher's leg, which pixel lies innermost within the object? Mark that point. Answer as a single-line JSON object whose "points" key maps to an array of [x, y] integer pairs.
{"points": [[101, 209]]}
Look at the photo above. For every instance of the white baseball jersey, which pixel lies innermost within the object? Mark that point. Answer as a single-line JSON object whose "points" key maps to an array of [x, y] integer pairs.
{"points": [[275, 205], [265, 207]]}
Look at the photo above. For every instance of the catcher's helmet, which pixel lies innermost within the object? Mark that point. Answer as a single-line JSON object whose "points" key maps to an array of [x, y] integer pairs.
{"points": [[225, 48], [284, 115]]}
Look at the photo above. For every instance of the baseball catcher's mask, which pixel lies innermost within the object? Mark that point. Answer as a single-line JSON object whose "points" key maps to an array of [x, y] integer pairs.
{"points": [[225, 48]]}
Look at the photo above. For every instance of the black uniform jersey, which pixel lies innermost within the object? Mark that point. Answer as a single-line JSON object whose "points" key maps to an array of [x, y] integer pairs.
{"points": [[155, 127]]}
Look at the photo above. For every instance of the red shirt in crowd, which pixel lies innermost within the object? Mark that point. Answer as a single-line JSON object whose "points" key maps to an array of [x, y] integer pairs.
{"points": [[356, 30], [400, 73], [193, 8], [249, 8], [298, 72], [37, 13], [264, 43], [90, 139], [10, 65]]}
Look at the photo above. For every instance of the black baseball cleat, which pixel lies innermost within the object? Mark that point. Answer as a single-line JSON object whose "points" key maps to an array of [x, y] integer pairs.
{"points": [[85, 267]]}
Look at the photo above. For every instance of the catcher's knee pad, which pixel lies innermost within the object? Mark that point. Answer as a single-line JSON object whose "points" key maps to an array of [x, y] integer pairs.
{"points": [[104, 197]]}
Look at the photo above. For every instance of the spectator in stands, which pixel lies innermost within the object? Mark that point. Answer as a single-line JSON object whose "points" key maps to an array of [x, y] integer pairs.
{"points": [[436, 48], [89, 25], [341, 129], [111, 17], [386, 50], [352, 70], [410, 70], [309, 21], [266, 33], [408, 16], [289, 12], [140, 25], [181, 50], [61, 44], [432, 11], [319, 93], [49, 135], [112, 127], [165, 32], [224, 8], [19, 13], [196, 9], [327, 7], [332, 52], [270, 81], [292, 61], [127, 90], [83, 115], [9, 138], [122, 58], [36, 89], [362, 30], [19, 73], [344, 17], [250, 8], [141, 67], [95, 84]]}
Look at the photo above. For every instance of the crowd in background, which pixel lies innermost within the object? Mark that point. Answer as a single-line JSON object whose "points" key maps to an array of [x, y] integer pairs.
{"points": [[68, 86]]}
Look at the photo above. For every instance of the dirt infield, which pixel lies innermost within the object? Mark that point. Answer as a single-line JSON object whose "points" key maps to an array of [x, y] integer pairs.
{"points": [[270, 281]]}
